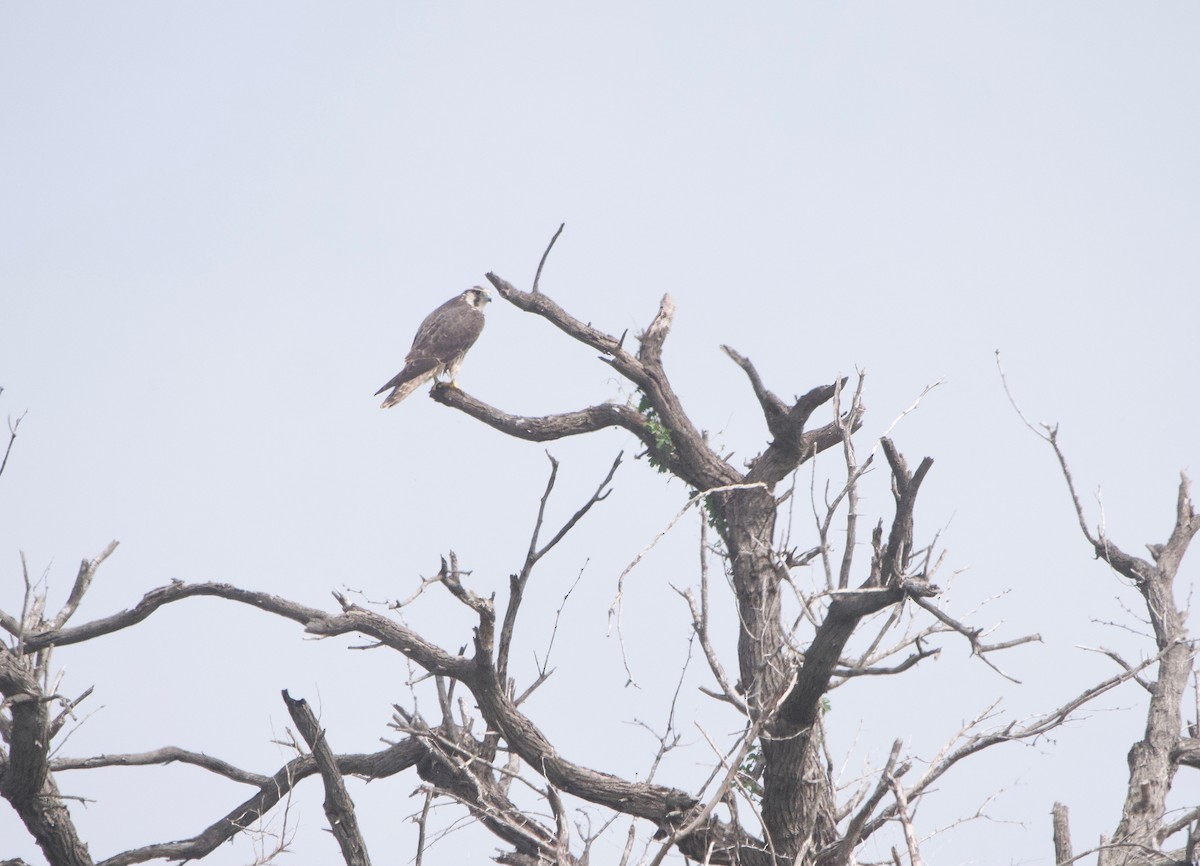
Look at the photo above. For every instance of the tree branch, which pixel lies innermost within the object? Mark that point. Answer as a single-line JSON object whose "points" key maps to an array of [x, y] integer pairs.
{"points": [[1152, 764], [379, 765], [1062, 834], [83, 581], [550, 427], [774, 410], [12, 438], [25, 779], [339, 808], [689, 457], [165, 755], [977, 742], [848, 607], [518, 582], [455, 768], [910, 838], [315, 621], [542, 305], [840, 852], [537, 277], [662, 805], [905, 486]]}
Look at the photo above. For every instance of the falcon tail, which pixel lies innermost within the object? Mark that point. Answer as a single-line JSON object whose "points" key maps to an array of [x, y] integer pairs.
{"points": [[403, 390], [413, 376]]}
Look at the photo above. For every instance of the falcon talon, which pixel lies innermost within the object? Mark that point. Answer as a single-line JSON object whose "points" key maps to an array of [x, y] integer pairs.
{"points": [[441, 344]]}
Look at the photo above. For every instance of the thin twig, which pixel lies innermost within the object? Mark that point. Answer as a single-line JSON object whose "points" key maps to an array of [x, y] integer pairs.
{"points": [[542, 665], [519, 581], [12, 437], [421, 827], [700, 627], [538, 276], [614, 610], [910, 838]]}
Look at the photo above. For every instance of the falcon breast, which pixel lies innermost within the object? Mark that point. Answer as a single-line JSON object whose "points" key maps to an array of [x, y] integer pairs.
{"points": [[440, 345]]}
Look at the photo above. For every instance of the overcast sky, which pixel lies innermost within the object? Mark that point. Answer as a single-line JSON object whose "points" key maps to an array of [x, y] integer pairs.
{"points": [[220, 224]]}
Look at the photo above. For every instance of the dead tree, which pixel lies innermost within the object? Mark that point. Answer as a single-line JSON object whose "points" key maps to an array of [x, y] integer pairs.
{"points": [[1144, 826], [780, 686], [808, 621]]}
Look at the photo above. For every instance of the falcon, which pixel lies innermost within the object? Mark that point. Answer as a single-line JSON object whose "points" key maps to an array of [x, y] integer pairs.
{"points": [[440, 345]]}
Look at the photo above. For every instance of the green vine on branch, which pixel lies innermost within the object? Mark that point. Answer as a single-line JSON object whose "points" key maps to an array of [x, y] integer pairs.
{"points": [[664, 448]]}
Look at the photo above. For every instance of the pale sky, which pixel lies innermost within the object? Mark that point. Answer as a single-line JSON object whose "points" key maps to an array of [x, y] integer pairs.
{"points": [[222, 223]]}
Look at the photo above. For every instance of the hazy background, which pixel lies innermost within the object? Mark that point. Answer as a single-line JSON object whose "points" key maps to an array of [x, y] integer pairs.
{"points": [[220, 224]]}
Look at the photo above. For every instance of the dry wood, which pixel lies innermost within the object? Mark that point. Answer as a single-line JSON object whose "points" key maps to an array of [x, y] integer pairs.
{"points": [[339, 808]]}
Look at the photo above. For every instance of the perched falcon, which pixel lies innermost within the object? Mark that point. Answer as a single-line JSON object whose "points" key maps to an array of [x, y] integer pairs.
{"points": [[440, 345]]}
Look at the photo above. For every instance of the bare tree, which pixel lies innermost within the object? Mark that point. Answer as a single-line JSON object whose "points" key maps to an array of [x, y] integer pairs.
{"points": [[1145, 826], [808, 620]]}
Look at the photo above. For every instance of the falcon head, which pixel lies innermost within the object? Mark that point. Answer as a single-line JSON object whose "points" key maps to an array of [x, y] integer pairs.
{"points": [[477, 297]]}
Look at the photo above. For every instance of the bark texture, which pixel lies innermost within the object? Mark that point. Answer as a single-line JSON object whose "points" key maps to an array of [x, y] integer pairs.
{"points": [[1155, 758], [25, 779]]}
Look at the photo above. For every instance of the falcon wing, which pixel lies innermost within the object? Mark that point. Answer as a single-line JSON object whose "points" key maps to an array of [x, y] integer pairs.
{"points": [[411, 371], [447, 333]]}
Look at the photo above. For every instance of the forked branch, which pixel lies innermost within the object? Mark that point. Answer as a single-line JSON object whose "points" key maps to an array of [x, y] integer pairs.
{"points": [[379, 765], [518, 581]]}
